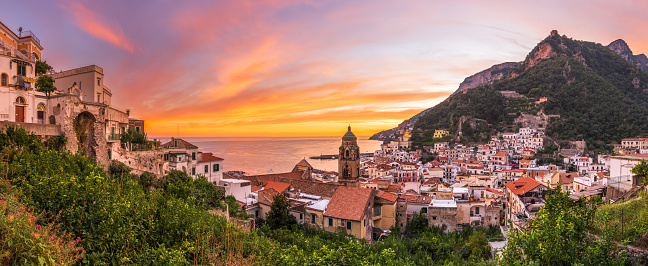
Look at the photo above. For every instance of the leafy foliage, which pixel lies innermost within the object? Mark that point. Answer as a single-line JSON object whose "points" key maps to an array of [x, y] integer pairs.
{"points": [[559, 235], [641, 170], [45, 83], [625, 222], [42, 67], [279, 215]]}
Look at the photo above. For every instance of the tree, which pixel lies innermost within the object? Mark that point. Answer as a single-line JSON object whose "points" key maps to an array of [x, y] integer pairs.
{"points": [[418, 224], [45, 83], [279, 215], [641, 170], [42, 67], [559, 235]]}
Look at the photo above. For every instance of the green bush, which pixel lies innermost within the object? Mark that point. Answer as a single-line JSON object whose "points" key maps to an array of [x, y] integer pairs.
{"points": [[24, 240]]}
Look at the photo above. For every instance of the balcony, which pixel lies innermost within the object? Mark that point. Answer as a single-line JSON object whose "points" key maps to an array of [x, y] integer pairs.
{"points": [[24, 34]]}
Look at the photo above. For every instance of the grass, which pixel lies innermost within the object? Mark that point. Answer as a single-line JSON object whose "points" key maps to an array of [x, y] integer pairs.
{"points": [[626, 222]]}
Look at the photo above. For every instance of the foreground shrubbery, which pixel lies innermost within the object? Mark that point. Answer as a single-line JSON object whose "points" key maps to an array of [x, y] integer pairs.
{"points": [[74, 212], [634, 216]]}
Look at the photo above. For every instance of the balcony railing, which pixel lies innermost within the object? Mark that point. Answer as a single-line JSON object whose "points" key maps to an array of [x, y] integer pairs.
{"points": [[29, 34]]}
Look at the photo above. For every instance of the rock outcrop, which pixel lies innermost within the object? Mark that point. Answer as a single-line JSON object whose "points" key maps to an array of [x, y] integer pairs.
{"points": [[486, 76], [622, 49]]}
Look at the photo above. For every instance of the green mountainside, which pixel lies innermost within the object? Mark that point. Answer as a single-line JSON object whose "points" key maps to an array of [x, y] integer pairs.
{"points": [[593, 94]]}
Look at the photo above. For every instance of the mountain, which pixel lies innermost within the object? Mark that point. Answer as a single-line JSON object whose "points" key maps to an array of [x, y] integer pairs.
{"points": [[591, 92], [621, 48], [578, 90], [486, 76]]}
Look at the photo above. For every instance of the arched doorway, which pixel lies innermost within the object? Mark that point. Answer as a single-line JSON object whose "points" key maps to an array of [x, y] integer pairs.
{"points": [[52, 120], [40, 113], [20, 109], [84, 127]]}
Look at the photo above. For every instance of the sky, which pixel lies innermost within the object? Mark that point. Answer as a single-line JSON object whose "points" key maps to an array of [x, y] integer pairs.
{"points": [[298, 67]]}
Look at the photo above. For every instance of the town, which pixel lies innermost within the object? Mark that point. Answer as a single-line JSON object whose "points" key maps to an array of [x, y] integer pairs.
{"points": [[499, 183]]}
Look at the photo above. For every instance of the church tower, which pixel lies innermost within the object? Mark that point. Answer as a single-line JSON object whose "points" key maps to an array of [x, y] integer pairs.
{"points": [[349, 162]]}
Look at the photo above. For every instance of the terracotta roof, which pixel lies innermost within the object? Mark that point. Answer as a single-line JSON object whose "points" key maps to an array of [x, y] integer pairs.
{"points": [[417, 198], [492, 190], [432, 181], [254, 188], [386, 195], [268, 194], [500, 154], [262, 180], [568, 178], [278, 186], [436, 169], [349, 203], [209, 157], [394, 188], [523, 185], [314, 188], [180, 144]]}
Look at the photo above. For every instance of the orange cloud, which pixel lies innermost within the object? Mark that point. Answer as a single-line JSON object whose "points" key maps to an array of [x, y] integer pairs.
{"points": [[92, 23]]}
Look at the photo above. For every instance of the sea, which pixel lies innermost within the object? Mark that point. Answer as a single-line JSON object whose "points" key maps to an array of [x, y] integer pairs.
{"points": [[262, 155]]}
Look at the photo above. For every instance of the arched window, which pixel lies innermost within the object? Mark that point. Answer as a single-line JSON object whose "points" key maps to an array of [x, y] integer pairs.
{"points": [[35, 56], [20, 100], [5, 79]]}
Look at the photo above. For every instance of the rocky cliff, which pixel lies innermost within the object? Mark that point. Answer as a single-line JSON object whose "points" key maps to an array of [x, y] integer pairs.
{"points": [[486, 76], [621, 48]]}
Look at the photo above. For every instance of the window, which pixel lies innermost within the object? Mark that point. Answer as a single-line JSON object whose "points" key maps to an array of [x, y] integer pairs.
{"points": [[377, 211], [193, 171], [206, 168], [434, 218], [5, 79], [256, 214], [22, 70], [301, 217], [193, 155], [313, 217], [330, 221], [424, 210], [216, 167], [566, 188], [98, 81], [348, 225], [477, 210]]}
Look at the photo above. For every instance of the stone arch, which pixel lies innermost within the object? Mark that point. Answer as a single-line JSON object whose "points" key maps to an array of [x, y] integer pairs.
{"points": [[20, 100], [84, 127]]}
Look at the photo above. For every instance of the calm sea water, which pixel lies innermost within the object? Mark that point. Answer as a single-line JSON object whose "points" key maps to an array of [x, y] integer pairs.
{"points": [[274, 154]]}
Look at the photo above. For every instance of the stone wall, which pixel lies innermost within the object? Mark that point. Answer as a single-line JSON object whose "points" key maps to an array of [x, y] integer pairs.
{"points": [[142, 161], [37, 129]]}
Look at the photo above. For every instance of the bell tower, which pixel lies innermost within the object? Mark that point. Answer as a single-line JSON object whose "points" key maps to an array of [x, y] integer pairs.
{"points": [[349, 161]]}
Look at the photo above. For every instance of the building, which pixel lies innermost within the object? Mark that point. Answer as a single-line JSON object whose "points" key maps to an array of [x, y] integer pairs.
{"points": [[136, 124], [181, 155], [349, 160], [525, 197], [209, 166], [440, 133], [19, 101], [351, 211]]}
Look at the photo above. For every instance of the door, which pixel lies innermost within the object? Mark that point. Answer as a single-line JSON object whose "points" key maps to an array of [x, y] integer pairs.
{"points": [[20, 114]]}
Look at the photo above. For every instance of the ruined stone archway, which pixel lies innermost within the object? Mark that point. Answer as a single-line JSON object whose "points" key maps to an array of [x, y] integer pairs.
{"points": [[84, 128]]}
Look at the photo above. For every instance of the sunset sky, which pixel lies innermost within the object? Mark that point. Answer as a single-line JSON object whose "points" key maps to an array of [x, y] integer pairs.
{"points": [[302, 68]]}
